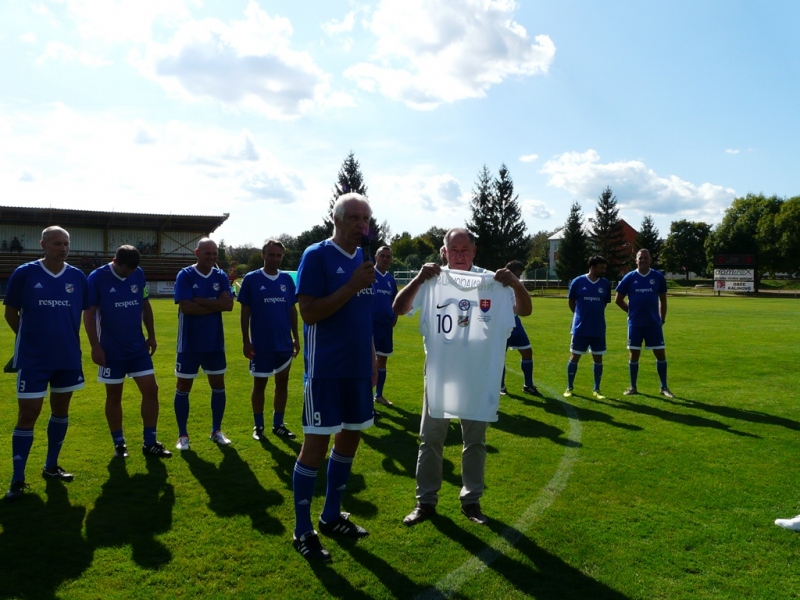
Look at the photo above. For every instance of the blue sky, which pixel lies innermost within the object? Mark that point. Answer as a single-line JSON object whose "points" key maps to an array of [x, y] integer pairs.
{"points": [[249, 107]]}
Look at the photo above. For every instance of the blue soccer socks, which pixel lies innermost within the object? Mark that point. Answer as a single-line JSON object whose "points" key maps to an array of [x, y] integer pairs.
{"points": [[56, 432], [572, 370], [303, 481], [661, 369], [634, 368], [598, 375], [182, 412], [21, 442], [527, 370], [338, 473]]}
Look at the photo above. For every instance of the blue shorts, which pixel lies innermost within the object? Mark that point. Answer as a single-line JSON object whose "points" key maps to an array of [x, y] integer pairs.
{"points": [[581, 344], [115, 371], [32, 383], [330, 405], [266, 364], [652, 335], [188, 364], [518, 340], [382, 336]]}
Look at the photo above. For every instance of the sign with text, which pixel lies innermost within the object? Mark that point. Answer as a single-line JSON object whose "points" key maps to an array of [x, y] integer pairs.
{"points": [[165, 288], [734, 286], [734, 274]]}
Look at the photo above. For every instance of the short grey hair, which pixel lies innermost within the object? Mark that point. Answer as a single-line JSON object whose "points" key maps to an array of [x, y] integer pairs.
{"points": [[340, 204]]}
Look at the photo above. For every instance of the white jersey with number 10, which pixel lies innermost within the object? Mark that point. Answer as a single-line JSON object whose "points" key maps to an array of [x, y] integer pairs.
{"points": [[465, 320]]}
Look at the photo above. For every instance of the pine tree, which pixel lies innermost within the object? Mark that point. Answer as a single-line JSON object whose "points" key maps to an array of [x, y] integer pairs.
{"points": [[573, 250], [607, 236], [482, 225], [497, 220], [348, 180], [649, 239]]}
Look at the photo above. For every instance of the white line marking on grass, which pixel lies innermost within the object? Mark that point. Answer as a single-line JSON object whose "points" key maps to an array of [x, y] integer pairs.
{"points": [[450, 583]]}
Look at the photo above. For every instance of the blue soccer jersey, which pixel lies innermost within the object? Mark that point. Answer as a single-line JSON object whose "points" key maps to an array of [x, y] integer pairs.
{"points": [[50, 306], [200, 333], [590, 299], [341, 345], [384, 289], [119, 312], [643, 293], [270, 298]]}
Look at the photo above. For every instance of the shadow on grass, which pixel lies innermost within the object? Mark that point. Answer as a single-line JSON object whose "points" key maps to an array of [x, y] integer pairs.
{"points": [[400, 442], [549, 577], [668, 415], [283, 461], [390, 576], [523, 426], [41, 544], [133, 510], [554, 406], [233, 489], [751, 416]]}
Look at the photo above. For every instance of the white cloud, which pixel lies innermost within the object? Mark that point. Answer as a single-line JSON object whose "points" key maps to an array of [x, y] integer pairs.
{"points": [[731, 151], [126, 20], [529, 157], [334, 26], [65, 53], [417, 201], [535, 209], [432, 51], [246, 65], [98, 161], [28, 38], [637, 187]]}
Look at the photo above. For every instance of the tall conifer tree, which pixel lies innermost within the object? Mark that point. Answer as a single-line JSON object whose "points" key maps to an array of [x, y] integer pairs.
{"points": [[573, 250], [607, 236]]}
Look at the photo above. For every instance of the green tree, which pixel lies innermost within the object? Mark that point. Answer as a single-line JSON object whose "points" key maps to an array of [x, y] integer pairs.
{"points": [[573, 250], [788, 239], [684, 248], [649, 239], [738, 232], [482, 206], [607, 236], [349, 179], [497, 220], [435, 235], [538, 258]]}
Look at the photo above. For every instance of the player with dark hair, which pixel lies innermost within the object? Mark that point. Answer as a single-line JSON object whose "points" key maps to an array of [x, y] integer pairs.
{"points": [[269, 335], [334, 291], [119, 304], [518, 340], [646, 290], [202, 293], [383, 317], [43, 305], [588, 296]]}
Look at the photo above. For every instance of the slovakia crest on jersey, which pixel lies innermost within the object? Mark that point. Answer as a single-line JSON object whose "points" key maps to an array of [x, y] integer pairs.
{"points": [[486, 304], [69, 287], [283, 288], [134, 289], [216, 287], [600, 290], [463, 304], [652, 282]]}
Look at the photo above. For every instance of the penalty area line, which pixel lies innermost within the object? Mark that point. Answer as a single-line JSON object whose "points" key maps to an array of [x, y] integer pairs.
{"points": [[450, 583]]}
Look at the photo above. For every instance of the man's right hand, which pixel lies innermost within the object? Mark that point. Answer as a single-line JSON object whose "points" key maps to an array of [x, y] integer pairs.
{"points": [[363, 276], [428, 271]]}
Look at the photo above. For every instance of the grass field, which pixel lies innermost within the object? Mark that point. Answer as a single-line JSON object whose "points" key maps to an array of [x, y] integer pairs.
{"points": [[625, 498]]}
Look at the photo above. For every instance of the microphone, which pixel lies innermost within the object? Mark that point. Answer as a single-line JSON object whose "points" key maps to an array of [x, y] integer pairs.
{"points": [[365, 248]]}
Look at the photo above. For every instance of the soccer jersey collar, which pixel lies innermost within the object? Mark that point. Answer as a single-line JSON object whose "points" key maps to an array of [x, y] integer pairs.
{"points": [[342, 250], [49, 272], [643, 274]]}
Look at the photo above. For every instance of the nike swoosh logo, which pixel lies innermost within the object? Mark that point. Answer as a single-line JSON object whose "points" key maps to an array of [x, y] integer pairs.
{"points": [[443, 305]]}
